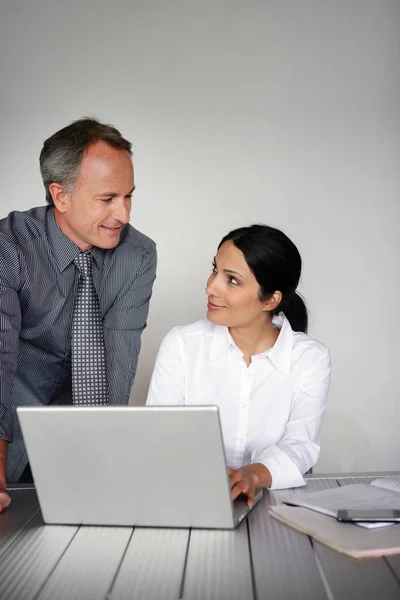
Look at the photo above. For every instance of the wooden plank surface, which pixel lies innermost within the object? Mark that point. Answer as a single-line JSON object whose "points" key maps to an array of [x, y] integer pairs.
{"points": [[24, 506], [283, 560], [394, 565], [351, 578], [153, 565], [27, 564], [316, 485], [87, 568], [348, 481], [218, 565], [367, 474], [261, 559]]}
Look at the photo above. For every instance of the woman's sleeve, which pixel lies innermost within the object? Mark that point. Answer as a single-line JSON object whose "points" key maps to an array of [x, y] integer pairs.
{"points": [[167, 385], [298, 449]]}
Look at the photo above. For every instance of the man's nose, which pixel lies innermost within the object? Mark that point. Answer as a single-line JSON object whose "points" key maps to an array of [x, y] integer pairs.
{"points": [[122, 212]]}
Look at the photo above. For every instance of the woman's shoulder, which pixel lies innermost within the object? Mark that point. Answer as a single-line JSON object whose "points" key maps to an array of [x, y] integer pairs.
{"points": [[309, 350], [197, 330], [305, 340], [300, 343], [190, 341]]}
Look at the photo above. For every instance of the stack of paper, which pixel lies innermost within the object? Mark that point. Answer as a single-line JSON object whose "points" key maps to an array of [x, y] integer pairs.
{"points": [[345, 537], [383, 493]]}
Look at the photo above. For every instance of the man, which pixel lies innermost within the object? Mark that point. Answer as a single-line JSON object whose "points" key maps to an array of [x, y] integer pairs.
{"points": [[75, 286]]}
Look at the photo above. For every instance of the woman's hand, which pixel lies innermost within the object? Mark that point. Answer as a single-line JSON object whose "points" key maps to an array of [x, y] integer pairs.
{"points": [[242, 482], [247, 479]]}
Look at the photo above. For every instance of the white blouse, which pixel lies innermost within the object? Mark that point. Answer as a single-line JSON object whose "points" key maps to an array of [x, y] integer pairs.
{"points": [[271, 412]]}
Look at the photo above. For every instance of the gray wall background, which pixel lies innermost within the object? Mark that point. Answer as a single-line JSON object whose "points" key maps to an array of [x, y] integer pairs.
{"points": [[278, 111]]}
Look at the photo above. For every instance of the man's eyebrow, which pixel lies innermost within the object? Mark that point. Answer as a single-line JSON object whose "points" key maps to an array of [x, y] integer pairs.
{"points": [[113, 194]]}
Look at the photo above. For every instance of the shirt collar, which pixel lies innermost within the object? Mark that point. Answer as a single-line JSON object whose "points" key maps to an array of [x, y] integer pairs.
{"points": [[280, 354], [220, 342], [64, 249]]}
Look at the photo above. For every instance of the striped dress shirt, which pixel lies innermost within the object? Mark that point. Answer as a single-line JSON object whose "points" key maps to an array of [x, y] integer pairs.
{"points": [[38, 282]]}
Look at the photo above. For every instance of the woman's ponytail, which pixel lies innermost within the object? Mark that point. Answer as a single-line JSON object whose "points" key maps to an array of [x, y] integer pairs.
{"points": [[295, 311]]}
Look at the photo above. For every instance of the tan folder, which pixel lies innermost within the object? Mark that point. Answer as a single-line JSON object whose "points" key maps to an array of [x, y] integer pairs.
{"points": [[344, 537]]}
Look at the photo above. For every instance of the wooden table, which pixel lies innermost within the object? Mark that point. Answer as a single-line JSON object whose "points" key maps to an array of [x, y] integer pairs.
{"points": [[263, 558]]}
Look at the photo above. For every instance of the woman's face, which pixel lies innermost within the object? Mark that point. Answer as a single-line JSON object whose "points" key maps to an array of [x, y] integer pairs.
{"points": [[233, 291]]}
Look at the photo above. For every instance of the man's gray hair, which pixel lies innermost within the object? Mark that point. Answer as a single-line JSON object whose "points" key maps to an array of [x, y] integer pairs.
{"points": [[62, 153]]}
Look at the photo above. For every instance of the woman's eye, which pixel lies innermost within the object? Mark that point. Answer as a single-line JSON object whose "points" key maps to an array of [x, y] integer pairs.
{"points": [[214, 267], [233, 281]]}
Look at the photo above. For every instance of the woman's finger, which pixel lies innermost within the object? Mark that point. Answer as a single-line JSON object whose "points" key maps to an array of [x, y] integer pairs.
{"points": [[236, 490], [235, 476], [250, 497]]}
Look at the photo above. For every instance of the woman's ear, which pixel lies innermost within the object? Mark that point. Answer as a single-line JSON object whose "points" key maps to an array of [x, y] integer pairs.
{"points": [[273, 301]]}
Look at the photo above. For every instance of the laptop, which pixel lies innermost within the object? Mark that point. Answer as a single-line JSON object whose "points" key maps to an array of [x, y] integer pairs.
{"points": [[133, 466]]}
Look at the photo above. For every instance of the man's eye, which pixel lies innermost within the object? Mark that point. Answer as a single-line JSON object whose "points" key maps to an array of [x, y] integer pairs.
{"points": [[106, 200]]}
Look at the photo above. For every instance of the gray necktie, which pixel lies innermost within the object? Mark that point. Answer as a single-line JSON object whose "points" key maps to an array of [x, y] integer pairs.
{"points": [[89, 375]]}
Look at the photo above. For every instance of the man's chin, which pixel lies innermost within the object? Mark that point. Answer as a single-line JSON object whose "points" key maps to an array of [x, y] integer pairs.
{"points": [[107, 242]]}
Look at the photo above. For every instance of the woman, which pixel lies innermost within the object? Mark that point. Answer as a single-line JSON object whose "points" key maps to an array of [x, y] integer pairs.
{"points": [[253, 359]]}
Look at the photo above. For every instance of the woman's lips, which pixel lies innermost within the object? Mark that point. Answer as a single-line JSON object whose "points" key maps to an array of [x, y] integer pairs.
{"points": [[212, 306]]}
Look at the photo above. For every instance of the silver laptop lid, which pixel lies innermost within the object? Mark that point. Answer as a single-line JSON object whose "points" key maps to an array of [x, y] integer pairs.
{"points": [[154, 466]]}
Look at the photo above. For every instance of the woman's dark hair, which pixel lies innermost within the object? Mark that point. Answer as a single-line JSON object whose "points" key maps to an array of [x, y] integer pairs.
{"points": [[62, 153], [276, 264]]}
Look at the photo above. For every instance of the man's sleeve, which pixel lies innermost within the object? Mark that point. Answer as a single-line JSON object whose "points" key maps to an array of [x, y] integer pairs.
{"points": [[123, 325], [10, 325]]}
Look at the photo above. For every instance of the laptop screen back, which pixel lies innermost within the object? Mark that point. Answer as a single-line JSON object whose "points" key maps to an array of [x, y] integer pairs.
{"points": [[151, 466]]}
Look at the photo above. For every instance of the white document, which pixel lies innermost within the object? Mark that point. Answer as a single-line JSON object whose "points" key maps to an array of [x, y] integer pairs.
{"points": [[388, 483], [383, 493]]}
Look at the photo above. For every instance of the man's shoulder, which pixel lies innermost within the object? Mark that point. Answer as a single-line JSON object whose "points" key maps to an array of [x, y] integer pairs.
{"points": [[20, 227], [133, 239]]}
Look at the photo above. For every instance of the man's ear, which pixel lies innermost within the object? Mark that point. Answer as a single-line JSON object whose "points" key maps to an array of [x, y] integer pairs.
{"points": [[59, 195], [273, 301]]}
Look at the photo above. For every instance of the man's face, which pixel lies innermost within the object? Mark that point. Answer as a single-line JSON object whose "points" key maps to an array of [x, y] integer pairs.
{"points": [[100, 205]]}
